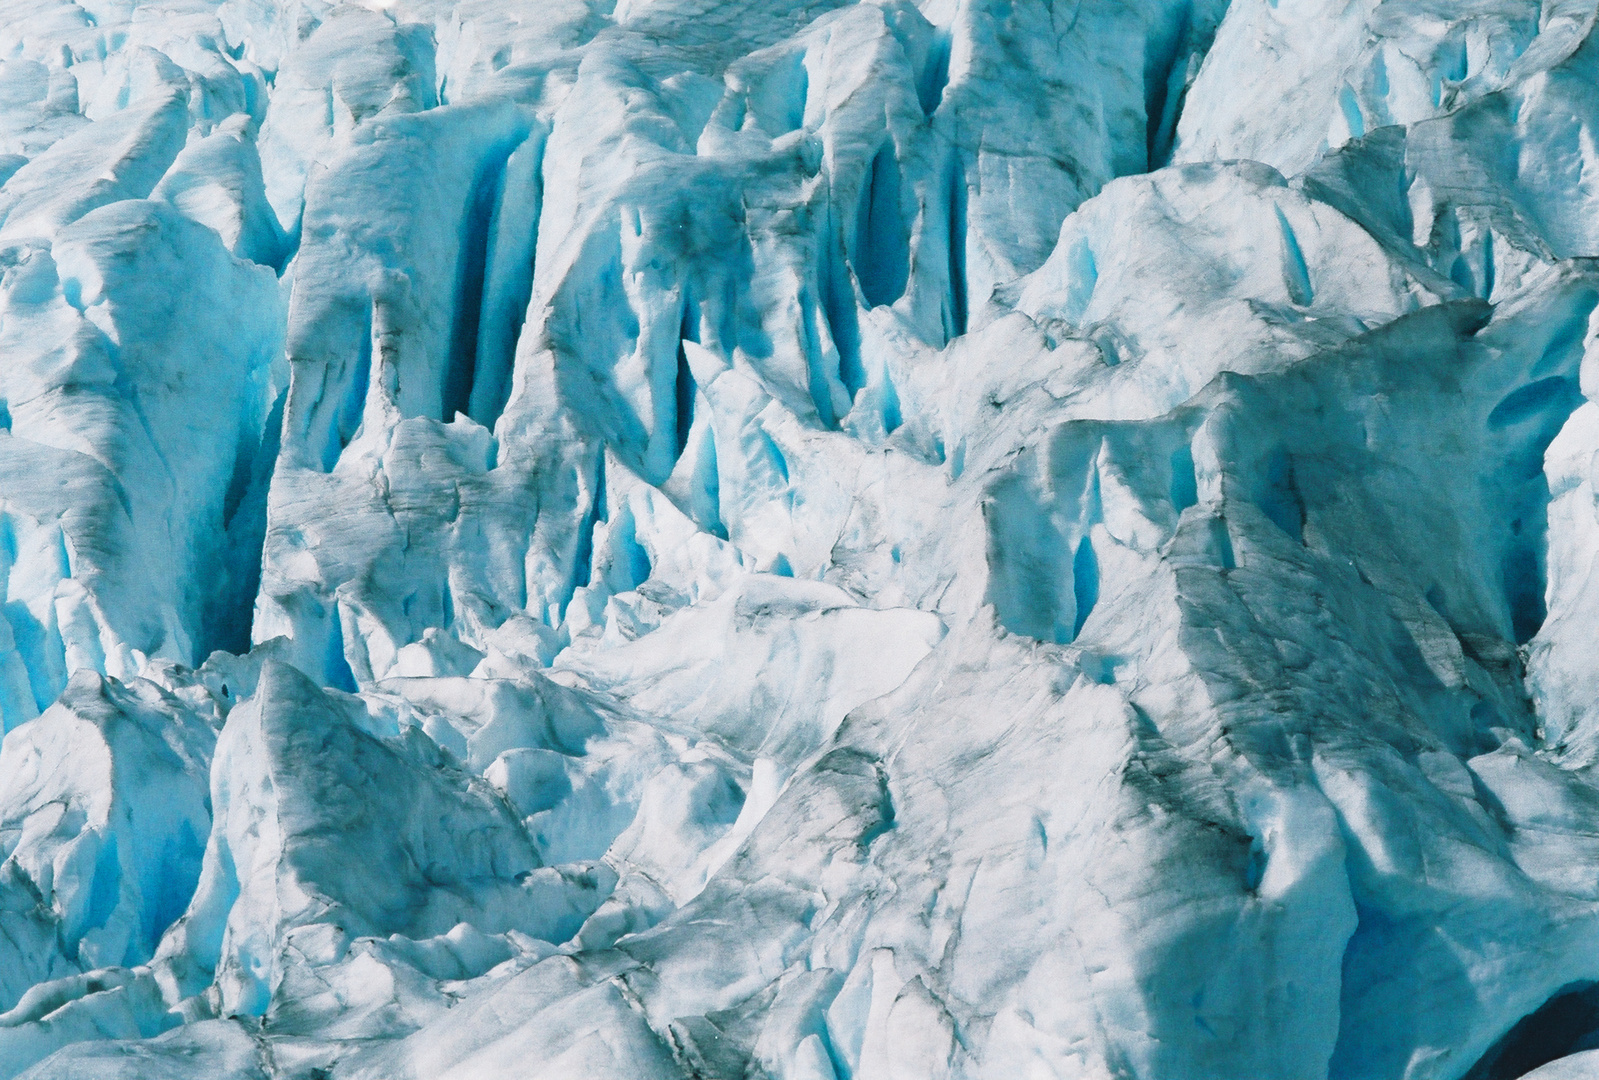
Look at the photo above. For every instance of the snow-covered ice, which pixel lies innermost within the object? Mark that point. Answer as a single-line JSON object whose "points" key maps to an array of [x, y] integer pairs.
{"points": [[799, 539]]}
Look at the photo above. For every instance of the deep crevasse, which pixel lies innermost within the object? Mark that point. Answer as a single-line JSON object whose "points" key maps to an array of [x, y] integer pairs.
{"points": [[802, 539]]}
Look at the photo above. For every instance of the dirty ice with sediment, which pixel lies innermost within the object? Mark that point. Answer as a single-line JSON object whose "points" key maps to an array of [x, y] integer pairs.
{"points": [[799, 539]]}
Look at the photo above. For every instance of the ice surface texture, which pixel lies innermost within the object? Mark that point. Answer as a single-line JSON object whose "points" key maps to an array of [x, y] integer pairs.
{"points": [[799, 539]]}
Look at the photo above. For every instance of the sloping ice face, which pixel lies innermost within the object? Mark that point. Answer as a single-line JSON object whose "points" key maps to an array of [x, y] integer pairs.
{"points": [[799, 540]]}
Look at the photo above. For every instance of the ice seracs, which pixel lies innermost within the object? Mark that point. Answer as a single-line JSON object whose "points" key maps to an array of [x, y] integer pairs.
{"points": [[813, 540]]}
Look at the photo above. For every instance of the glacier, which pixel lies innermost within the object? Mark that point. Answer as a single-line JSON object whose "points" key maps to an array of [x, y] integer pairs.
{"points": [[799, 539]]}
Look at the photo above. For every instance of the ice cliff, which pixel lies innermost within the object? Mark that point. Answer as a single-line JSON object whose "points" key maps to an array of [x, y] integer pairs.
{"points": [[799, 539]]}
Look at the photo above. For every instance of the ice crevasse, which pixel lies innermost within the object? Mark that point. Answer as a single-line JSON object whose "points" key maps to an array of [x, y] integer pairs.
{"points": [[799, 539]]}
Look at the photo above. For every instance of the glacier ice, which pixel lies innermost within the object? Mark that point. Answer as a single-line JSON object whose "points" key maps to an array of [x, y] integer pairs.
{"points": [[805, 539]]}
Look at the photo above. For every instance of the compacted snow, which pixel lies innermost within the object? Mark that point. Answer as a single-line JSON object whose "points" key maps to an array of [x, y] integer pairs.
{"points": [[799, 539]]}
